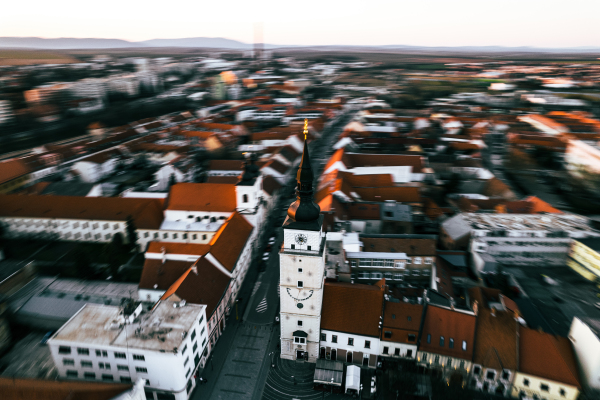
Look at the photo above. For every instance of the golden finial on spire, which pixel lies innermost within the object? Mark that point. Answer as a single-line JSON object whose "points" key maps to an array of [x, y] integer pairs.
{"points": [[305, 127]]}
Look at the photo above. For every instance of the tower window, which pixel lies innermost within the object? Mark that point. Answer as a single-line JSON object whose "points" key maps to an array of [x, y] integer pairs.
{"points": [[299, 323], [300, 284], [293, 246], [308, 247], [245, 198], [300, 270]]}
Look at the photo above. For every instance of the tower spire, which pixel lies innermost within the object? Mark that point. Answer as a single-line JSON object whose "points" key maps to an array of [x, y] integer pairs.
{"points": [[304, 208]]}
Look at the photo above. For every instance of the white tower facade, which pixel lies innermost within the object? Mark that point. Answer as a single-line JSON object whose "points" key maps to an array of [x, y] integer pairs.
{"points": [[302, 271]]}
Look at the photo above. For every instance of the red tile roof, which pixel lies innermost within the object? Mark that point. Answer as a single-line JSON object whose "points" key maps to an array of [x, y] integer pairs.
{"points": [[230, 180], [41, 389], [202, 197], [230, 239], [178, 248], [206, 286], [12, 169], [547, 356], [271, 185], [162, 275], [226, 165], [449, 324], [352, 308], [147, 213], [401, 319]]}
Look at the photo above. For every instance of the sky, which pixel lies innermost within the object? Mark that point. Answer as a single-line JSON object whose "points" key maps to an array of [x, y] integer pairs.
{"points": [[547, 23]]}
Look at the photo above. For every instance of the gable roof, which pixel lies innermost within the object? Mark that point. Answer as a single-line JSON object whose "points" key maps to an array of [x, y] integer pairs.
{"points": [[230, 240], [206, 285], [202, 197], [146, 213], [449, 324], [270, 185], [12, 169], [547, 356], [401, 319], [162, 275], [352, 308]]}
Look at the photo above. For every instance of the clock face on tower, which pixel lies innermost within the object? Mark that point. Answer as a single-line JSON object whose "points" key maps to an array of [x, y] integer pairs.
{"points": [[301, 238], [301, 295]]}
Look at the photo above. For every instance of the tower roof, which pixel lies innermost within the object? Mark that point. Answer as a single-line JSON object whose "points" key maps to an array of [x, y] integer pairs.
{"points": [[304, 210]]}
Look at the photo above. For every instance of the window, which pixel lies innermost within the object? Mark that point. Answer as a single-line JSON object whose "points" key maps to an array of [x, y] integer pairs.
{"points": [[464, 346], [324, 337], [116, 226], [187, 360], [350, 342], [120, 355], [441, 341], [194, 236], [299, 323], [562, 392], [292, 246], [203, 342], [201, 319], [193, 334], [544, 387], [107, 377], [300, 284], [417, 260], [184, 349], [141, 369], [174, 236], [436, 360], [89, 375], [139, 357], [194, 347], [101, 353], [409, 353], [299, 270], [187, 374], [71, 373], [85, 352], [526, 382], [490, 375], [105, 226], [121, 367], [387, 334], [68, 361], [333, 338], [202, 331], [165, 235], [203, 237], [86, 364], [451, 343], [299, 340], [462, 365], [125, 379], [64, 350], [104, 365], [184, 235], [477, 370], [245, 198], [505, 375], [308, 248], [367, 344], [146, 234], [385, 350], [396, 351]]}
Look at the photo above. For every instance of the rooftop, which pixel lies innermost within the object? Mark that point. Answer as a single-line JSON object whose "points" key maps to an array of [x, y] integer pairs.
{"points": [[219, 197], [161, 329]]}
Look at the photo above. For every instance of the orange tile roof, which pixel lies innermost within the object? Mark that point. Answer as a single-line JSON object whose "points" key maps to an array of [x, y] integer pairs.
{"points": [[178, 248], [12, 169], [547, 356], [146, 213], [230, 239], [202, 197], [352, 308], [449, 324], [401, 319], [39, 389]]}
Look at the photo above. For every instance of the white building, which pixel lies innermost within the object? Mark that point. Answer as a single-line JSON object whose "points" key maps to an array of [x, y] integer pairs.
{"points": [[162, 345], [585, 337]]}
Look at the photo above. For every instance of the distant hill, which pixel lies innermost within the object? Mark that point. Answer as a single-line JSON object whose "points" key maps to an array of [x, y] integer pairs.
{"points": [[223, 43]]}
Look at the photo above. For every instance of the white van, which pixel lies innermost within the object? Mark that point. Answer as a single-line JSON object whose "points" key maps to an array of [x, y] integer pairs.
{"points": [[352, 380]]}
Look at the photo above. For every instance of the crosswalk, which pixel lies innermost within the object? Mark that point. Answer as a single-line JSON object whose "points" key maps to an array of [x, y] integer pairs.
{"points": [[262, 306]]}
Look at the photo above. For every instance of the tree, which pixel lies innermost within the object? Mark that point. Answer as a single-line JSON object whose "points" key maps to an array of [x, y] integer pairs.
{"points": [[131, 232]]}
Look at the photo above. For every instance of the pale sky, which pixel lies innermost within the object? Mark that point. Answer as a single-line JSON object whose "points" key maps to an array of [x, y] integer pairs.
{"points": [[540, 23]]}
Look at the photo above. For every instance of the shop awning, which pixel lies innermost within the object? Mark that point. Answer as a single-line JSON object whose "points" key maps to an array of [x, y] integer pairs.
{"points": [[327, 370]]}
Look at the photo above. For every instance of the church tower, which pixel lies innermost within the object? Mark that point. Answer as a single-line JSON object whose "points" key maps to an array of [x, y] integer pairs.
{"points": [[302, 269]]}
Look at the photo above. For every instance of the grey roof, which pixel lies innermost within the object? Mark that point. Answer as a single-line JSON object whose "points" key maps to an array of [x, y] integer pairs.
{"points": [[456, 260], [328, 369], [399, 212], [472, 187], [52, 307], [456, 227], [68, 188]]}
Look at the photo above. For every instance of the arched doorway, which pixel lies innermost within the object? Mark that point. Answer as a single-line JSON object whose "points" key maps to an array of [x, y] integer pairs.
{"points": [[334, 354], [349, 357]]}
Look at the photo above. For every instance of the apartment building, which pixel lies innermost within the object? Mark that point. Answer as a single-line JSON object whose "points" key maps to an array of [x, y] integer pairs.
{"points": [[161, 345], [400, 330]]}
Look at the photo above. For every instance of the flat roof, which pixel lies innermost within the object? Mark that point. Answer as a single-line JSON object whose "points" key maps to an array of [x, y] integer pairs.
{"points": [[369, 254], [162, 329]]}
